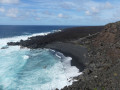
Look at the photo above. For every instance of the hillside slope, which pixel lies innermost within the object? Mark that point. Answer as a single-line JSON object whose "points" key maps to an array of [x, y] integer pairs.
{"points": [[103, 67]]}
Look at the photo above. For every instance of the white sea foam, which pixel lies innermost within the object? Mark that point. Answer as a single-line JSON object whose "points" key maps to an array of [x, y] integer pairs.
{"points": [[45, 77], [11, 62], [58, 56], [3, 41], [41, 34], [57, 31], [70, 71], [25, 57], [26, 33], [52, 50]]}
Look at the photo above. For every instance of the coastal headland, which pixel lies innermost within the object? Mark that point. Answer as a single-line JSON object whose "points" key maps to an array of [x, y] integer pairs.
{"points": [[63, 42], [95, 51]]}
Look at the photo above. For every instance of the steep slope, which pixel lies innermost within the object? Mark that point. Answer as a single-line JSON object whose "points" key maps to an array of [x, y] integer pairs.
{"points": [[103, 68]]}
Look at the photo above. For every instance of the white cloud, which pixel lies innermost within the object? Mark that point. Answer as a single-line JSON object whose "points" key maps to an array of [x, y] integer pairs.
{"points": [[47, 13], [92, 11], [60, 15], [12, 12], [87, 12], [9, 1], [90, 7], [68, 5], [108, 5], [37, 18], [2, 10], [57, 9]]}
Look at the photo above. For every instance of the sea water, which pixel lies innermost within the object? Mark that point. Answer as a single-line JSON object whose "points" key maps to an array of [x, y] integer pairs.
{"points": [[36, 69]]}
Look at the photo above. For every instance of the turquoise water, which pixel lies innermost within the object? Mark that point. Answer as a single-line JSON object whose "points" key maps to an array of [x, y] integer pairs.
{"points": [[40, 69]]}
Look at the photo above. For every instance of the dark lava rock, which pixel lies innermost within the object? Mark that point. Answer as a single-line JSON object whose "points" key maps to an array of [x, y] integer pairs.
{"points": [[5, 47], [103, 69], [13, 43], [63, 36]]}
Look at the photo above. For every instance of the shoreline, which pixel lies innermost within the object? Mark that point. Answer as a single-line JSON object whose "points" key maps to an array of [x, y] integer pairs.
{"points": [[59, 40], [71, 43], [77, 53], [67, 67]]}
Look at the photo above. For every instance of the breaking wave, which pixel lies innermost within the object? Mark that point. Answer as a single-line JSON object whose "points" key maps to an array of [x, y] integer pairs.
{"points": [[40, 69]]}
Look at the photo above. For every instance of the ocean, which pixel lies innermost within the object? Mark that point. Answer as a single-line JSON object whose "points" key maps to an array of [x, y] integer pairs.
{"points": [[36, 69]]}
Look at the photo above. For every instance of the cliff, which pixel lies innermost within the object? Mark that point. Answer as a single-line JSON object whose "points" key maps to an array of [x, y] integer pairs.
{"points": [[103, 68]]}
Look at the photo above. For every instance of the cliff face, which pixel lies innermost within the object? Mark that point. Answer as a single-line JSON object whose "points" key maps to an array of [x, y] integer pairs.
{"points": [[109, 40], [102, 72], [110, 35]]}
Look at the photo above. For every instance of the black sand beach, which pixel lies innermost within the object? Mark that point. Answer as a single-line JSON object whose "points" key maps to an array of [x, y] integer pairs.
{"points": [[78, 53]]}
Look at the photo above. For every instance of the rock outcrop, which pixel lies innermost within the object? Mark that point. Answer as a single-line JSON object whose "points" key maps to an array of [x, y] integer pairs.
{"points": [[103, 69]]}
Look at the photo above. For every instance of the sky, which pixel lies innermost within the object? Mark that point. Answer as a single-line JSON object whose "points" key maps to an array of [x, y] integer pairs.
{"points": [[59, 12]]}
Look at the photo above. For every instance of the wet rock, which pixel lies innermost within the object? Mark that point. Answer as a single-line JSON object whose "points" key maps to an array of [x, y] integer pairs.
{"points": [[5, 47], [13, 43]]}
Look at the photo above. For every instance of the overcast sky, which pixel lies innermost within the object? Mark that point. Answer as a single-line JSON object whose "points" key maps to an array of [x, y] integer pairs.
{"points": [[59, 12]]}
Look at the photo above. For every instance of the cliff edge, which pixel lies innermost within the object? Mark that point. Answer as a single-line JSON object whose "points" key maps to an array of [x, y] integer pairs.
{"points": [[103, 68]]}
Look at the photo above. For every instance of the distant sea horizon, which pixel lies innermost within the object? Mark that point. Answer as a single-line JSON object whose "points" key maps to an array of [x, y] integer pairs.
{"points": [[17, 30]]}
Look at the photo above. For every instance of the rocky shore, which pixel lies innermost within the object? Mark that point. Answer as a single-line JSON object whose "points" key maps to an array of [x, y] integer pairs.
{"points": [[61, 41], [103, 68], [97, 49], [63, 36], [78, 53]]}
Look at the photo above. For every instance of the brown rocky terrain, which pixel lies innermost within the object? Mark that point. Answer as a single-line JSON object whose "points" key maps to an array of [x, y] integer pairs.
{"points": [[103, 68]]}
